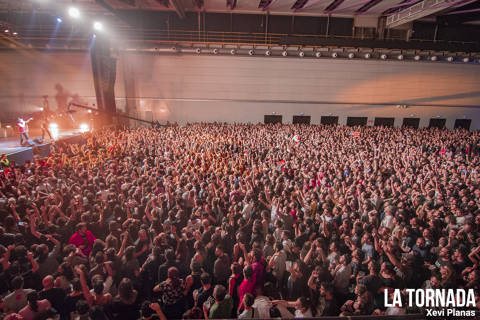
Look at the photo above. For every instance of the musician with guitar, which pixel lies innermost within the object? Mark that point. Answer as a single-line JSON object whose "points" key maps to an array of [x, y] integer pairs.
{"points": [[45, 124], [22, 129]]}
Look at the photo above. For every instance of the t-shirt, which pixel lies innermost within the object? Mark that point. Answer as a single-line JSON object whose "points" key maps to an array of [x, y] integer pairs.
{"points": [[203, 296], [368, 249], [28, 314], [263, 304], [248, 314], [50, 264], [56, 296], [170, 293], [17, 300], [372, 282], [306, 314], [221, 310], [87, 240]]}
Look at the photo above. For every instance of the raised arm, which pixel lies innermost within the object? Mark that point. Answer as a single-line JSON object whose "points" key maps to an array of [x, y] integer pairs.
{"points": [[85, 289], [33, 262]]}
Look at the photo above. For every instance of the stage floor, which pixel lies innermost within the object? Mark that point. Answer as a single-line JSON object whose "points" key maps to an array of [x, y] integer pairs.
{"points": [[12, 144]]}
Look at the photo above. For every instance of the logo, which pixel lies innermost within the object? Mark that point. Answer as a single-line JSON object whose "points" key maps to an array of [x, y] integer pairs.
{"points": [[435, 302]]}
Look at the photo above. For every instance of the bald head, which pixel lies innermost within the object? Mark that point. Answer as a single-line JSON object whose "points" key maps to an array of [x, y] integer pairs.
{"points": [[47, 282]]}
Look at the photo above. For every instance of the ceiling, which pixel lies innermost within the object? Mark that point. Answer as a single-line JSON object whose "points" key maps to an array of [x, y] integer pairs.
{"points": [[276, 7], [451, 12], [284, 7]]}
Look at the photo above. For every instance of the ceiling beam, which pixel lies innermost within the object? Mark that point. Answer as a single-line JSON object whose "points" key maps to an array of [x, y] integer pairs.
{"points": [[299, 4], [129, 2], [179, 9], [231, 4], [164, 3], [351, 5], [198, 3], [265, 4], [469, 12], [332, 6], [367, 6]]}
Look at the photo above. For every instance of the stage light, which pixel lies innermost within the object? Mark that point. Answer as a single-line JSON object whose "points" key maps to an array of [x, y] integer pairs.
{"points": [[334, 55], [417, 58], [232, 52], [433, 58], [215, 51], [301, 54], [367, 55], [450, 59], [400, 57], [198, 51], [89, 110], [251, 52], [351, 56], [268, 52], [98, 26], [318, 54], [466, 59], [53, 128], [284, 53], [7, 31], [15, 33], [84, 127], [59, 20], [383, 57], [41, 109], [74, 13]]}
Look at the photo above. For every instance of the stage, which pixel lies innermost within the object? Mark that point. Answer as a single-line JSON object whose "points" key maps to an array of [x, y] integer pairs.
{"points": [[15, 152]]}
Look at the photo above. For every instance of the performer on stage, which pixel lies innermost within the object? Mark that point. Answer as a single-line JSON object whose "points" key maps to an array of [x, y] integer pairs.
{"points": [[45, 124], [22, 129]]}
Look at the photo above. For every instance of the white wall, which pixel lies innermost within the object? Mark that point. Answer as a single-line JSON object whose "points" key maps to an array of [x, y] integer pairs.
{"points": [[187, 88], [27, 75]]}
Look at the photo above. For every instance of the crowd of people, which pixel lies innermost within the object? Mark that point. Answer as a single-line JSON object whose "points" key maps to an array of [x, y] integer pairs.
{"points": [[208, 221]]}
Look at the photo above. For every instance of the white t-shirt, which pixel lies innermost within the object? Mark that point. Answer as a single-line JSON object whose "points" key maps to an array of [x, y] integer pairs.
{"points": [[262, 304], [306, 314]]}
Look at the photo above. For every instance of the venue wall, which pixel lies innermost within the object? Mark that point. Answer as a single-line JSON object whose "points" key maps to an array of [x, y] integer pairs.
{"points": [[28, 75], [190, 88]]}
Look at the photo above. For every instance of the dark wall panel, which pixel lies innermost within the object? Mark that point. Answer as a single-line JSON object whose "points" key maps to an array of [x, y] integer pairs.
{"points": [[423, 30], [310, 25], [252, 23], [190, 22], [463, 123], [437, 123], [329, 120], [218, 22], [269, 118], [458, 33], [280, 24], [411, 122], [357, 121], [301, 119], [387, 122], [340, 27]]}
